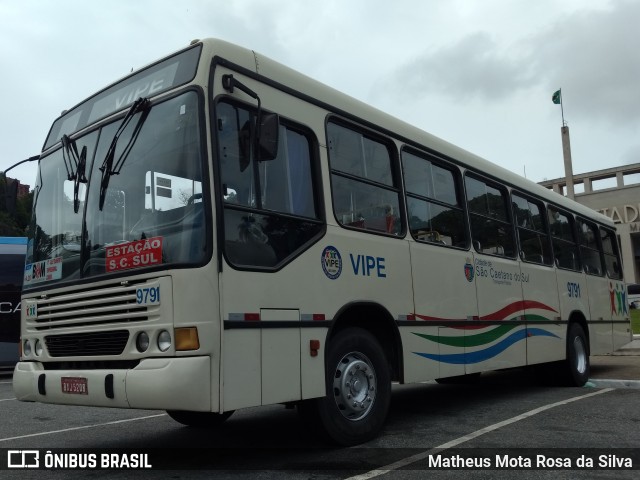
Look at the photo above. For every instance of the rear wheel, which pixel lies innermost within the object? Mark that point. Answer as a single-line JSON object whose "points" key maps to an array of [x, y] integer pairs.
{"points": [[576, 366], [358, 389], [199, 419]]}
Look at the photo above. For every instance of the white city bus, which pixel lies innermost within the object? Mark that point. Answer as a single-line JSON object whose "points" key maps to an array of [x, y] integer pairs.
{"points": [[217, 231]]}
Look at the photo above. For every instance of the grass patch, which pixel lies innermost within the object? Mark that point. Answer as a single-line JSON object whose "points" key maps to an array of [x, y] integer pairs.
{"points": [[635, 320]]}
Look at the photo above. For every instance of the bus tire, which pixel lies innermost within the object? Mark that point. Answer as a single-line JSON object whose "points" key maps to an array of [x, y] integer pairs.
{"points": [[358, 389], [199, 419], [576, 367]]}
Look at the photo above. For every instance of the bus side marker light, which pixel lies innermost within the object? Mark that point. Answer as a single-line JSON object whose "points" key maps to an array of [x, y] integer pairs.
{"points": [[187, 339], [314, 346]]}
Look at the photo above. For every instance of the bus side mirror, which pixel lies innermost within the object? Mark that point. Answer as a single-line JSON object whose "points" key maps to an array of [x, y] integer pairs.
{"points": [[269, 136]]}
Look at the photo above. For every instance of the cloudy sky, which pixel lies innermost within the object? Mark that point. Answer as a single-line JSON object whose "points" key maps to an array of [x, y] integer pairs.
{"points": [[477, 73]]}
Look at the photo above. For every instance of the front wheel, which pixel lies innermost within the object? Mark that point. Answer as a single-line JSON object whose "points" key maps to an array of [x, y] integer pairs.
{"points": [[199, 419], [358, 389]]}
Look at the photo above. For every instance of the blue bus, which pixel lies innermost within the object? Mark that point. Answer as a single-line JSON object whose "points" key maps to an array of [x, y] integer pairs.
{"points": [[12, 253]]}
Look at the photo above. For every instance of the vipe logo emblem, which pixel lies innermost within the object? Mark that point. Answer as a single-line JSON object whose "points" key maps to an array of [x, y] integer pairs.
{"points": [[331, 262], [23, 459]]}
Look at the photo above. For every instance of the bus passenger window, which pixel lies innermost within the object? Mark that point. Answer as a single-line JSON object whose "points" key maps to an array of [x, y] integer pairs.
{"points": [[434, 210], [532, 230], [489, 217], [611, 253], [365, 194], [589, 248], [565, 246]]}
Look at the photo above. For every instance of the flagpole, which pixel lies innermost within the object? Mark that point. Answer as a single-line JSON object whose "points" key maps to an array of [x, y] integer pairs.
{"points": [[566, 146]]}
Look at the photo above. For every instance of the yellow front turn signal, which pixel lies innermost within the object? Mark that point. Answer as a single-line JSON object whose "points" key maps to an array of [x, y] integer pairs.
{"points": [[187, 339]]}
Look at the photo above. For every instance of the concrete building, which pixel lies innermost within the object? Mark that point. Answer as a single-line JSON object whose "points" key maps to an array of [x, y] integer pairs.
{"points": [[614, 192]]}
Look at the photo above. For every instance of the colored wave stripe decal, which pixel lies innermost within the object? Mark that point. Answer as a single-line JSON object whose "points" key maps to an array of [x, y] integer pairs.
{"points": [[470, 340], [502, 314], [518, 306], [487, 353]]}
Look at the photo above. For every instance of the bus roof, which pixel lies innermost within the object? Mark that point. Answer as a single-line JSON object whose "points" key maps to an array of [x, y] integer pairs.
{"points": [[343, 104], [327, 97]]}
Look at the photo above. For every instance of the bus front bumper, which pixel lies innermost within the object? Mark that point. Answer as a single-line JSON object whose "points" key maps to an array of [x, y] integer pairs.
{"points": [[155, 384]]}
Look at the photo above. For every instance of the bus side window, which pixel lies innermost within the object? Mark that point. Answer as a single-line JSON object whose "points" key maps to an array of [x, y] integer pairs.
{"points": [[590, 250], [433, 200], [489, 217], [364, 187], [532, 230], [563, 239], [611, 253]]}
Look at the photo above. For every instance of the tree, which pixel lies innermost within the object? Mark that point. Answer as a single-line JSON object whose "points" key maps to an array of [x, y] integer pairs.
{"points": [[14, 223]]}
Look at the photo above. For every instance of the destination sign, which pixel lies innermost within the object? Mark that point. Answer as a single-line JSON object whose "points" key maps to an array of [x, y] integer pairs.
{"points": [[169, 73]]}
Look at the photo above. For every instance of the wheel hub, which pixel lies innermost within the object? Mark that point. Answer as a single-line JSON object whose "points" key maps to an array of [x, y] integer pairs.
{"points": [[581, 355], [354, 386]]}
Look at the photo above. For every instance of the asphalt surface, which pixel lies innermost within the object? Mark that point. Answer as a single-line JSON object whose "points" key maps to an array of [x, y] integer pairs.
{"points": [[502, 413], [622, 368]]}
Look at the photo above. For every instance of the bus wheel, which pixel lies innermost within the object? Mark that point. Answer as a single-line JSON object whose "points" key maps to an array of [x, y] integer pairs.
{"points": [[358, 388], [199, 419], [576, 366]]}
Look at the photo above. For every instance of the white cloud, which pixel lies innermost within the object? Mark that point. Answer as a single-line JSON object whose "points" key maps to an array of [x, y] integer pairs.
{"points": [[479, 74]]}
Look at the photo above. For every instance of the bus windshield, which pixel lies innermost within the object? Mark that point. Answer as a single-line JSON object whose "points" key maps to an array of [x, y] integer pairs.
{"points": [[152, 211]]}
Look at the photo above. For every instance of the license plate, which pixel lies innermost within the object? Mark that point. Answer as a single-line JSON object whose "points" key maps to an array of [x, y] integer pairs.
{"points": [[74, 385]]}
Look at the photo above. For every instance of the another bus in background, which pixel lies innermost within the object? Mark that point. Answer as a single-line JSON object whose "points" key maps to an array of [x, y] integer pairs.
{"points": [[12, 252]]}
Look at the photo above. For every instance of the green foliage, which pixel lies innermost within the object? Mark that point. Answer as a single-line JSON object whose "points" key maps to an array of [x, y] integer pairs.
{"points": [[14, 225], [635, 321]]}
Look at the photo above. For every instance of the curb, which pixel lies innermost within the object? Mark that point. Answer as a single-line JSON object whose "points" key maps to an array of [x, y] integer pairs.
{"points": [[602, 383]]}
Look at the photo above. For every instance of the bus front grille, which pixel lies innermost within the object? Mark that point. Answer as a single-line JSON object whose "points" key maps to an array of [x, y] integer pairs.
{"points": [[109, 304]]}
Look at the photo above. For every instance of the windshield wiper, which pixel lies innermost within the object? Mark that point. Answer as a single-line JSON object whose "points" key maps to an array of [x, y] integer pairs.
{"points": [[75, 165], [112, 167]]}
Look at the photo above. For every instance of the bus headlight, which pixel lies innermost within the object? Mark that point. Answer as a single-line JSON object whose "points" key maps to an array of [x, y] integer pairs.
{"points": [[38, 348], [164, 341], [26, 350], [142, 342]]}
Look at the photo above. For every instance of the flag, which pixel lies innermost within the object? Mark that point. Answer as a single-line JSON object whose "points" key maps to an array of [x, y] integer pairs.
{"points": [[557, 97]]}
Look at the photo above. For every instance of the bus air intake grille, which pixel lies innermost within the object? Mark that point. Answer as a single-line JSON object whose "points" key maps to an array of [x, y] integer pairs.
{"points": [[107, 304], [87, 344]]}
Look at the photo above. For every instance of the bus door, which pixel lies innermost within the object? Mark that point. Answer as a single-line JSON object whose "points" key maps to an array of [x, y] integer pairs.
{"points": [[605, 295], [441, 267], [545, 333], [270, 219], [572, 283], [499, 340], [445, 300]]}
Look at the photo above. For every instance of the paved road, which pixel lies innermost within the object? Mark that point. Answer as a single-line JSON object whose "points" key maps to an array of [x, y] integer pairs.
{"points": [[497, 416]]}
